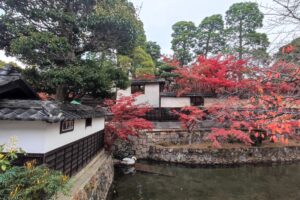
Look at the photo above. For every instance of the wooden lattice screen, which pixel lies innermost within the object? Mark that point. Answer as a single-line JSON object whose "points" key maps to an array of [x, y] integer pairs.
{"points": [[72, 157]]}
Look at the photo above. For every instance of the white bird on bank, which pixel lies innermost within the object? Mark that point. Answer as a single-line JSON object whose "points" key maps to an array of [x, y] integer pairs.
{"points": [[129, 161]]}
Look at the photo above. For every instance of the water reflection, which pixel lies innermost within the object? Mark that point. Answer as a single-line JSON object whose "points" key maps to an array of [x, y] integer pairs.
{"points": [[244, 183]]}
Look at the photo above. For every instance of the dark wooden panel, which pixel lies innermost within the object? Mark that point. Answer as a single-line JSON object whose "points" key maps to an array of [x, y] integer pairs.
{"points": [[74, 156], [161, 114]]}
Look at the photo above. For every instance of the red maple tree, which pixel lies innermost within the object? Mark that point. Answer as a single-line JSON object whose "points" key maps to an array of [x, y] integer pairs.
{"points": [[190, 117], [258, 102], [212, 75], [126, 119]]}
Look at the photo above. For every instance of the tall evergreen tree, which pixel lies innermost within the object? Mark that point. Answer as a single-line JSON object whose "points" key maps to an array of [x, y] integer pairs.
{"points": [[153, 49], [183, 41], [210, 36], [243, 19]]}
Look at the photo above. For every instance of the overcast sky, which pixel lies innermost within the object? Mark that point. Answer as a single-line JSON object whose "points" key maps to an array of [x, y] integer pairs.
{"points": [[158, 17]]}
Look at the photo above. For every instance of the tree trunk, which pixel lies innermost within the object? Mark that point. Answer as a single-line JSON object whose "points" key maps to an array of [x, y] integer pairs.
{"points": [[61, 92], [206, 48], [241, 41]]}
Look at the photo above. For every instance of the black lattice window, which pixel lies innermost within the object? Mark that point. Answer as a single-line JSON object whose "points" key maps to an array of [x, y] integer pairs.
{"points": [[197, 101], [66, 126], [88, 122], [138, 88]]}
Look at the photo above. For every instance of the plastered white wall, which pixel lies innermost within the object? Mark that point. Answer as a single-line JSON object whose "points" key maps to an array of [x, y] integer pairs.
{"points": [[175, 102], [42, 137], [150, 97], [54, 139], [30, 135]]}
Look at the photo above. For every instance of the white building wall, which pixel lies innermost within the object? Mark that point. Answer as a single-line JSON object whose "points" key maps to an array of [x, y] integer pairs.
{"points": [[30, 135], [42, 137], [175, 102], [126, 92], [150, 97], [54, 139]]}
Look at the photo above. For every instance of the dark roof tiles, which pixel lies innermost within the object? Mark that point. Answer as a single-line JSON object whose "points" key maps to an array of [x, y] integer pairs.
{"points": [[49, 111], [13, 86], [147, 81]]}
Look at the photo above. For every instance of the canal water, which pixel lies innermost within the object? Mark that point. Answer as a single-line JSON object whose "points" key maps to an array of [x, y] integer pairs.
{"points": [[280, 182]]}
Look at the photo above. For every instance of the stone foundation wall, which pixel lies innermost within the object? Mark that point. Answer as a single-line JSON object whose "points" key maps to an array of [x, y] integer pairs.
{"points": [[92, 182], [250, 155], [140, 146]]}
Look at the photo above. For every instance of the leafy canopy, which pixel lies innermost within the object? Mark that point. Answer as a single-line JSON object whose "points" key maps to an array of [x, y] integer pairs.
{"points": [[153, 49], [57, 37], [242, 20], [253, 102], [210, 36], [183, 41], [61, 32], [126, 120]]}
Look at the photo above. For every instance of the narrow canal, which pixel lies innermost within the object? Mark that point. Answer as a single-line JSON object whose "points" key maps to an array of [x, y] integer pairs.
{"points": [[280, 182]]}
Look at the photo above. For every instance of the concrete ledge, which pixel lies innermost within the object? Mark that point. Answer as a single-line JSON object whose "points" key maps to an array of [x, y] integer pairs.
{"points": [[92, 182], [232, 156]]}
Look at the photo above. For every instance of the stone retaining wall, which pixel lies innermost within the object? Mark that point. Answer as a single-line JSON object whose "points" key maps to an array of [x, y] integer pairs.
{"points": [[249, 155], [140, 146], [92, 182]]}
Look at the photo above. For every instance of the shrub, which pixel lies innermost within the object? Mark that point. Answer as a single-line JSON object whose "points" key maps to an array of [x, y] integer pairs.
{"points": [[31, 182]]}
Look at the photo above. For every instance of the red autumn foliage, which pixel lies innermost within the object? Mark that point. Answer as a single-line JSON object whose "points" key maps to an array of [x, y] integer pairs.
{"points": [[256, 99], [213, 75], [190, 116], [126, 120], [288, 49]]}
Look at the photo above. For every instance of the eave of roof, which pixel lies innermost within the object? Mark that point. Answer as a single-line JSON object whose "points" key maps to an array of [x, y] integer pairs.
{"points": [[147, 81], [48, 111], [10, 80], [196, 94]]}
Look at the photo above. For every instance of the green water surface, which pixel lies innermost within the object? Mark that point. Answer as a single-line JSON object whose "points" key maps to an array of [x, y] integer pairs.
{"points": [[281, 182]]}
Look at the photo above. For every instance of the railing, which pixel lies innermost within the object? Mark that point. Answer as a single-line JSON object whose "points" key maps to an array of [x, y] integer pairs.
{"points": [[166, 114], [195, 88], [161, 114], [71, 158]]}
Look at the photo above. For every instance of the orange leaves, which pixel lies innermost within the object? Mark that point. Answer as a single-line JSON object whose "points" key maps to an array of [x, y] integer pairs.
{"points": [[281, 138], [288, 49], [189, 117], [271, 93], [219, 74], [218, 135], [126, 120]]}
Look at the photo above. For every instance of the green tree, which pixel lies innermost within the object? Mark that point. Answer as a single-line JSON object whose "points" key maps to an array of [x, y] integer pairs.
{"points": [[57, 34], [138, 63], [95, 77], [15, 65], [257, 45], [243, 19], [142, 62], [153, 49], [209, 36], [166, 71], [183, 41], [2, 63]]}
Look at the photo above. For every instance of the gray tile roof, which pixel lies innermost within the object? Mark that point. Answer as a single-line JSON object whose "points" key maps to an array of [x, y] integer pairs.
{"points": [[13, 86], [146, 81], [194, 94], [48, 111]]}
